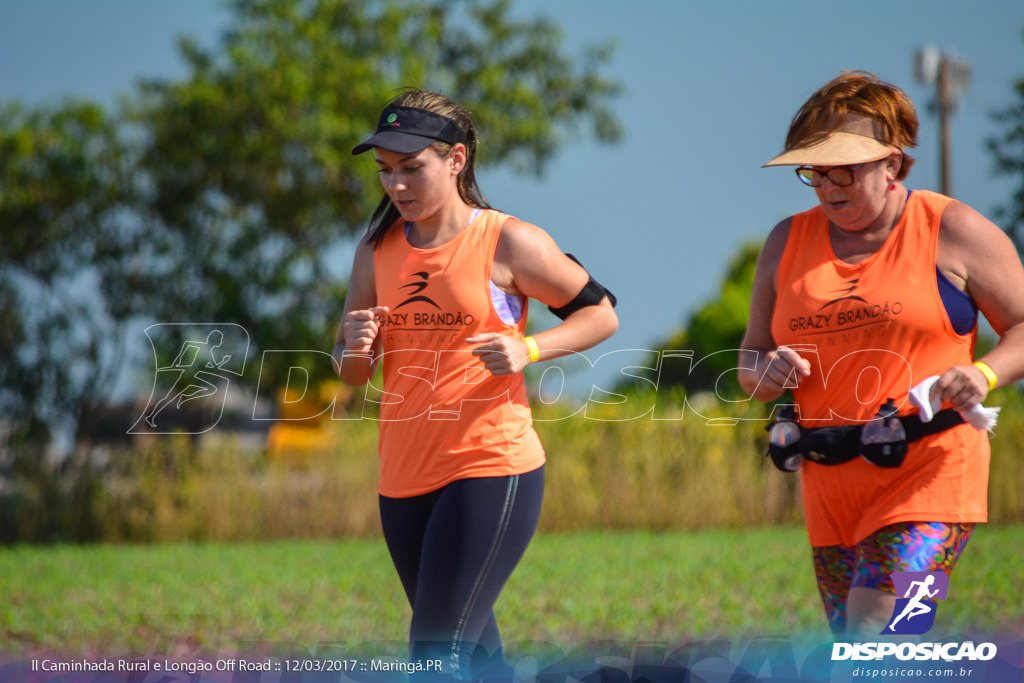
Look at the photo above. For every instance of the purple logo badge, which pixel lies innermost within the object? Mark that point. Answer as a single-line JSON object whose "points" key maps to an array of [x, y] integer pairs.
{"points": [[916, 596]]}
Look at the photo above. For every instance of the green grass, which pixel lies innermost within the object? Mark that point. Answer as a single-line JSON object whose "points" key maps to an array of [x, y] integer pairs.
{"points": [[571, 588]]}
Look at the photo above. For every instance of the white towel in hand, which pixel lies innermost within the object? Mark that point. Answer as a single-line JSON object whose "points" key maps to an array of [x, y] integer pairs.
{"points": [[979, 416]]}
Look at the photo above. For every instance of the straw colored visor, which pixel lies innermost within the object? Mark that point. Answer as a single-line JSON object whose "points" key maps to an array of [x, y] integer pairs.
{"points": [[859, 139]]}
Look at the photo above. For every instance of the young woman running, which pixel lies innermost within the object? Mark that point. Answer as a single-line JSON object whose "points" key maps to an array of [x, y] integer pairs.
{"points": [[439, 296]]}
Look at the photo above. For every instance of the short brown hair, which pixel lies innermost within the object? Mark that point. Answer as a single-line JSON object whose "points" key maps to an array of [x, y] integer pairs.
{"points": [[857, 92]]}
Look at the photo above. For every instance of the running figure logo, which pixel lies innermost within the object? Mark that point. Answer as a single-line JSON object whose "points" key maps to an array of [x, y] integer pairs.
{"points": [[849, 292], [914, 613], [206, 358], [416, 288]]}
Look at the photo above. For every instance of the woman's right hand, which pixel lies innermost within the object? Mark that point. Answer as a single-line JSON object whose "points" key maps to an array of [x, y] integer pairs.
{"points": [[783, 368], [361, 327]]}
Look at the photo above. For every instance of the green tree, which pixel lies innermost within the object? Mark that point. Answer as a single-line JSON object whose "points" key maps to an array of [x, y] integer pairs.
{"points": [[247, 162], [63, 181], [1008, 151], [230, 196]]}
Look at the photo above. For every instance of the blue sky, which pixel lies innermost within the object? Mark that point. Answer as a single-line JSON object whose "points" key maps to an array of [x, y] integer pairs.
{"points": [[710, 88]]}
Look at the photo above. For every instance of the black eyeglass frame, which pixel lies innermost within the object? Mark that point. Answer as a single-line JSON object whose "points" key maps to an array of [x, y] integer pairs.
{"points": [[809, 183]]}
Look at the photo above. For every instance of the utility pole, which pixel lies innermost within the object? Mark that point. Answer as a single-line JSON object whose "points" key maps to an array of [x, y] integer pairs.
{"points": [[950, 77]]}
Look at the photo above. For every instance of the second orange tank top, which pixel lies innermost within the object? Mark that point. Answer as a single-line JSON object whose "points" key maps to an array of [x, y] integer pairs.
{"points": [[871, 331]]}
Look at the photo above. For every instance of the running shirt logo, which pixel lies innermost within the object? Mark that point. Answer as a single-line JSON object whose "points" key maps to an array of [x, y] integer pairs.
{"points": [[416, 288], [850, 296], [914, 613], [857, 313], [418, 324]]}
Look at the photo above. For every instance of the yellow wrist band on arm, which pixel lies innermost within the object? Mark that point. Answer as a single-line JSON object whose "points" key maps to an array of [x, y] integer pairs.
{"points": [[989, 375], [531, 344]]}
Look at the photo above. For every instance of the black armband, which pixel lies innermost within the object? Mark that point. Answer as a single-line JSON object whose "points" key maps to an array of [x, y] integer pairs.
{"points": [[592, 294]]}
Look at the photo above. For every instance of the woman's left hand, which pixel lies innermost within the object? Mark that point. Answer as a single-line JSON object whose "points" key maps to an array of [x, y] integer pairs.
{"points": [[963, 386], [501, 354]]}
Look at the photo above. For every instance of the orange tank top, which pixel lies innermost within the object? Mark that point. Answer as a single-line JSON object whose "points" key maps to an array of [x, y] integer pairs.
{"points": [[871, 331], [443, 416]]}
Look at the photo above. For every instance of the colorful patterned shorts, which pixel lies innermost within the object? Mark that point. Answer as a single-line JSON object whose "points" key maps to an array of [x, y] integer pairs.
{"points": [[906, 546]]}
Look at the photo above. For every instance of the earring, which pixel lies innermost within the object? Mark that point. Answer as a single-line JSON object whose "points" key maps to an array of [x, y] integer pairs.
{"points": [[892, 184]]}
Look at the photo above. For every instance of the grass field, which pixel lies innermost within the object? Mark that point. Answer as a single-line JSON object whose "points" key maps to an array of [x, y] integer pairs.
{"points": [[664, 533], [669, 587]]}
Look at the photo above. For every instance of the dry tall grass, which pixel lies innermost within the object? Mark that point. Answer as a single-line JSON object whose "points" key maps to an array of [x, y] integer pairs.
{"points": [[681, 466]]}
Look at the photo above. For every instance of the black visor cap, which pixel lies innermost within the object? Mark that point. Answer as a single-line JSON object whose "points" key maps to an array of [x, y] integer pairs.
{"points": [[406, 130]]}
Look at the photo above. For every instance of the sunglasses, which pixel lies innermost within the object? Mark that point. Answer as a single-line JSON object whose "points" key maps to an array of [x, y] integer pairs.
{"points": [[839, 175]]}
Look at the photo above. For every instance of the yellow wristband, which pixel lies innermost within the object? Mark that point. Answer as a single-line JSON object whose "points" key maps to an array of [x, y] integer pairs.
{"points": [[989, 375], [531, 344]]}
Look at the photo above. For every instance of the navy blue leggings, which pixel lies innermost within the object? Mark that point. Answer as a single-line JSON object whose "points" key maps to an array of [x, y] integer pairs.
{"points": [[454, 549]]}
